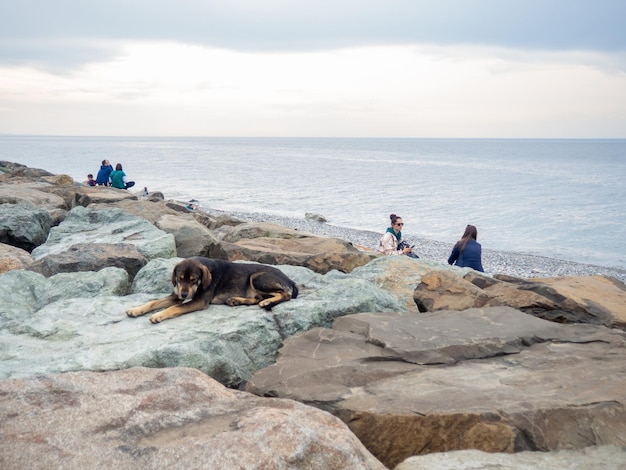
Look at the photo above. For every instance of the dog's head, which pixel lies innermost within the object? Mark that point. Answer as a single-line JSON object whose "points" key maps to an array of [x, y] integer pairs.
{"points": [[190, 276]]}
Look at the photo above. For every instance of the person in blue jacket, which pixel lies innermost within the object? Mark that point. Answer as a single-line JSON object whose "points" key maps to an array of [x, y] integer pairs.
{"points": [[467, 251], [102, 178]]}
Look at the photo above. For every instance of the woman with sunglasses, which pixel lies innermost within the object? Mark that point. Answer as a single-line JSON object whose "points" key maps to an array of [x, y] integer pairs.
{"points": [[389, 243]]}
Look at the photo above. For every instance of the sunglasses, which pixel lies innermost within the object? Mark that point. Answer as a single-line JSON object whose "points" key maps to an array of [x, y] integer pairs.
{"points": [[400, 224]]}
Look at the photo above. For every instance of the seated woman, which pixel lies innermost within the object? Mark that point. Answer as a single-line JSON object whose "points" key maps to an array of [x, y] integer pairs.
{"points": [[389, 243], [466, 253], [119, 179]]}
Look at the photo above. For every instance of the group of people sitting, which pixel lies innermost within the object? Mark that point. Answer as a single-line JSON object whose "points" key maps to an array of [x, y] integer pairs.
{"points": [[466, 252], [107, 176]]}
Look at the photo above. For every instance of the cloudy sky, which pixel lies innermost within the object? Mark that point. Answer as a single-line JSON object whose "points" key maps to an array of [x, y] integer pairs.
{"points": [[366, 68]]}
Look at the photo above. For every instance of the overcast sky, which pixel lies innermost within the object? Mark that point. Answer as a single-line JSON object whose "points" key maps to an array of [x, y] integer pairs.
{"points": [[344, 68]]}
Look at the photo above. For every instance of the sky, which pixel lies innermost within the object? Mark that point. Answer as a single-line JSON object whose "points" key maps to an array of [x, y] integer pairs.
{"points": [[314, 68]]}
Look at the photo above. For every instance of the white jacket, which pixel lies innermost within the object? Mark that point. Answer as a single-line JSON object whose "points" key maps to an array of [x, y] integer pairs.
{"points": [[388, 244]]}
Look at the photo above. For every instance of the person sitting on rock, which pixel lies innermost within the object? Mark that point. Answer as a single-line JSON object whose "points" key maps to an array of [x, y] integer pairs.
{"points": [[102, 179], [119, 179]]}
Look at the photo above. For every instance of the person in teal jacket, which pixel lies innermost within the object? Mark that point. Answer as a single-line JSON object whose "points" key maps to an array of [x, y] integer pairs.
{"points": [[467, 251], [119, 179]]}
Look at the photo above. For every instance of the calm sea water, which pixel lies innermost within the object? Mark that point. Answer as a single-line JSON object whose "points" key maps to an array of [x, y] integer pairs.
{"points": [[559, 198]]}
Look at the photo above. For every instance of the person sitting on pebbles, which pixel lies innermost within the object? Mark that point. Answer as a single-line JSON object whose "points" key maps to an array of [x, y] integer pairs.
{"points": [[466, 253]]}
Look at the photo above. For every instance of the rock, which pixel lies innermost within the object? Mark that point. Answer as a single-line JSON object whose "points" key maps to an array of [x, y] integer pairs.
{"points": [[24, 293], [445, 290], [149, 210], [492, 379], [599, 300], [13, 258], [604, 457], [111, 226], [91, 257], [582, 299], [17, 170], [87, 331], [316, 217], [35, 194], [23, 226], [165, 418], [153, 278], [398, 275], [250, 230], [317, 253], [88, 195], [192, 238]]}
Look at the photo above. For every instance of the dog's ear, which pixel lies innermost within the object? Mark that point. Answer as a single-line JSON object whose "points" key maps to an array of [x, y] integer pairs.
{"points": [[206, 277], [174, 274]]}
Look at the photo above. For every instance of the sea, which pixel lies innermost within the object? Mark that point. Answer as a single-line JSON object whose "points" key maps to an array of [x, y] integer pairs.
{"points": [[559, 198]]}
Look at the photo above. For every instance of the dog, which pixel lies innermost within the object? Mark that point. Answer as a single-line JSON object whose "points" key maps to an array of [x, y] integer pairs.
{"points": [[199, 282]]}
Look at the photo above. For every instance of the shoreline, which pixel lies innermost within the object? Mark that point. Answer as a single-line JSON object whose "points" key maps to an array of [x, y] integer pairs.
{"points": [[495, 262]]}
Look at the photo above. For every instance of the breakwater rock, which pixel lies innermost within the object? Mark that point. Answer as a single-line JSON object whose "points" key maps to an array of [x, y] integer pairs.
{"points": [[371, 347]]}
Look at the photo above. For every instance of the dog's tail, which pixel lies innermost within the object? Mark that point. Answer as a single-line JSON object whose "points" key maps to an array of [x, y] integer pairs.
{"points": [[294, 292]]}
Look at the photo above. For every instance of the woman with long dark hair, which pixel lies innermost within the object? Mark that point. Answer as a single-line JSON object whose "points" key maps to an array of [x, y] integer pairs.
{"points": [[467, 251]]}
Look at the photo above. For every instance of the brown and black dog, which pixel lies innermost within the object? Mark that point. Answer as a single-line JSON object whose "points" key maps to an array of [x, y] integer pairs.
{"points": [[200, 281]]}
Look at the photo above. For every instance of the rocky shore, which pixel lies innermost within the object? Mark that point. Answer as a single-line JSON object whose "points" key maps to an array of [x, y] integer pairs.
{"points": [[504, 262], [381, 362]]}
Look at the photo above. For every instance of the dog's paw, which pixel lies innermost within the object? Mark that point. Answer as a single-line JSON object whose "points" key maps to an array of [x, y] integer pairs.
{"points": [[266, 304], [232, 302], [156, 318], [134, 312]]}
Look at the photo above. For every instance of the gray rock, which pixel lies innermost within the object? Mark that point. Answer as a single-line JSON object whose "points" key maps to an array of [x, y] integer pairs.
{"points": [[24, 226], [192, 238], [74, 333], [22, 293], [168, 418], [91, 257], [83, 225], [492, 379], [153, 277]]}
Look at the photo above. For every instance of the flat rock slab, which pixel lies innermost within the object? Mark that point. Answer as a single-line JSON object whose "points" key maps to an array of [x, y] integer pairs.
{"points": [[164, 418], [589, 458], [492, 379]]}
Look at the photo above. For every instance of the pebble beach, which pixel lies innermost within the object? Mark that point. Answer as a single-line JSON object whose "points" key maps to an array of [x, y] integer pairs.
{"points": [[495, 262]]}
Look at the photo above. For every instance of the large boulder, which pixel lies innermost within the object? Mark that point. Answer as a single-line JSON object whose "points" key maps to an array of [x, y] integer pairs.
{"points": [[599, 300], [192, 238], [582, 299], [111, 226], [24, 226], [75, 330], [589, 458], [13, 258], [236, 232], [319, 254], [24, 293], [150, 210], [492, 379], [35, 194], [167, 418], [91, 257], [14, 169]]}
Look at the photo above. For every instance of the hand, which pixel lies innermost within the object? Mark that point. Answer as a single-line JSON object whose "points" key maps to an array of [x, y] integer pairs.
{"points": [[406, 250]]}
